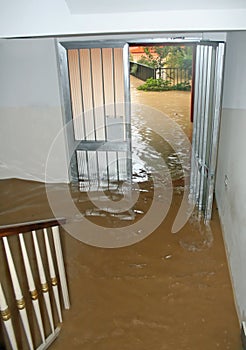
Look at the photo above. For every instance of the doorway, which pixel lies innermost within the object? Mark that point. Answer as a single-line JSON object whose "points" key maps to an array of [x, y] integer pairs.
{"points": [[156, 84], [161, 78], [98, 107]]}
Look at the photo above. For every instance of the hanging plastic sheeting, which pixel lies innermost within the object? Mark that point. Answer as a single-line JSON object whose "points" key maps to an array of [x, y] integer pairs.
{"points": [[207, 109]]}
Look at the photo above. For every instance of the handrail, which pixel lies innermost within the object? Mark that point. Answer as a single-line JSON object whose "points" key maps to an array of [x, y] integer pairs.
{"points": [[8, 230], [43, 273]]}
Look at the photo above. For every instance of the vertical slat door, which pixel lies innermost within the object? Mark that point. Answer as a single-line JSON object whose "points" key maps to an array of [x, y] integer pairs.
{"points": [[100, 96], [207, 109], [214, 135]]}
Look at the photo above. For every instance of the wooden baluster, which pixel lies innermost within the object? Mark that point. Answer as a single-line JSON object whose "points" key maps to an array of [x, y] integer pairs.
{"points": [[61, 268], [18, 293], [6, 317], [32, 287], [52, 274], [44, 284]]}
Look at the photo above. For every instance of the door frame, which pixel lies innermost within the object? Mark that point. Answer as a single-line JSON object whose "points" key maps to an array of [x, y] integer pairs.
{"points": [[72, 143], [61, 48]]}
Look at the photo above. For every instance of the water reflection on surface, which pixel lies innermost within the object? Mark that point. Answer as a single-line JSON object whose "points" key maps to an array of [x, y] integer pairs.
{"points": [[167, 291], [160, 153]]}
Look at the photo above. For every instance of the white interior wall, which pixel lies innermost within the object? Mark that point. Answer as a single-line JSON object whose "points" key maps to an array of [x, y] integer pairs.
{"points": [[30, 111], [231, 185]]}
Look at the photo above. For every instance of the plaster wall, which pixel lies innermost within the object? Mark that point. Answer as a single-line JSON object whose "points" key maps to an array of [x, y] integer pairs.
{"points": [[30, 111], [230, 185]]}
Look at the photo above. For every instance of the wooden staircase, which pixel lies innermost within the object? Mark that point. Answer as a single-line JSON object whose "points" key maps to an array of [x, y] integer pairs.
{"points": [[33, 285]]}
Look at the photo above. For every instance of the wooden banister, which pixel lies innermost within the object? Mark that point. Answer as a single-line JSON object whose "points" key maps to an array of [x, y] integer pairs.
{"points": [[9, 230], [43, 273]]}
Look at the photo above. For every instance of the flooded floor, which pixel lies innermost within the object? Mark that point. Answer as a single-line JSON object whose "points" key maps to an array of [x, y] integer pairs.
{"points": [[168, 291], [175, 104]]}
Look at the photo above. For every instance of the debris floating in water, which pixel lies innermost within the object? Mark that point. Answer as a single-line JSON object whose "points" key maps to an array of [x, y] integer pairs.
{"points": [[138, 211], [138, 266], [166, 257]]}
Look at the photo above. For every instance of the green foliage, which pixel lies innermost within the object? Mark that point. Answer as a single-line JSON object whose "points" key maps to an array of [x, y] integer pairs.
{"points": [[168, 57], [131, 57], [154, 61], [184, 86], [152, 84], [144, 60], [134, 69]]}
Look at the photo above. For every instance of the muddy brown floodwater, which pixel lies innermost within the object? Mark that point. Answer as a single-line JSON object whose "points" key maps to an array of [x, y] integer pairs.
{"points": [[169, 291]]}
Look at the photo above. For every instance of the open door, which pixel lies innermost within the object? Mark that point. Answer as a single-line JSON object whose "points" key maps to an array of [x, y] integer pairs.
{"points": [[207, 109], [98, 75]]}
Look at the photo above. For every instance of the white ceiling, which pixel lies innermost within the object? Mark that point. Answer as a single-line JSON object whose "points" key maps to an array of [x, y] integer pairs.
{"points": [[117, 6], [27, 18]]}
